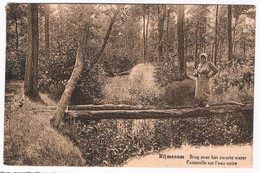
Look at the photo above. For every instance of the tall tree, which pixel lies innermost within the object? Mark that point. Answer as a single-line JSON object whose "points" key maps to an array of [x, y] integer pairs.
{"points": [[180, 34], [146, 30], [161, 19], [16, 30], [216, 37], [197, 16], [144, 36], [31, 66], [47, 43], [65, 98], [167, 33], [230, 46]]}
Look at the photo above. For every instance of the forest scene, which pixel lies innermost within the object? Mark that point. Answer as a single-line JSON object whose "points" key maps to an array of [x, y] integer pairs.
{"points": [[99, 84]]}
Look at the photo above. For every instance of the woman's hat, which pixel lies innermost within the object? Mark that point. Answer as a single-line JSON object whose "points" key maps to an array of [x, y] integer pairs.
{"points": [[205, 55]]}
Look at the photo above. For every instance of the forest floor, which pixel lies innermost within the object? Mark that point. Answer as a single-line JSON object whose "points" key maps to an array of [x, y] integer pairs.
{"points": [[29, 138]]}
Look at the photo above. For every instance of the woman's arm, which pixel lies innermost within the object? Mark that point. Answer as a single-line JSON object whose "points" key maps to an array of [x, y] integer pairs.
{"points": [[196, 73], [213, 68]]}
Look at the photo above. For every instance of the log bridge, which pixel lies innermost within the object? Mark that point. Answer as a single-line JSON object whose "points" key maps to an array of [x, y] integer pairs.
{"points": [[109, 111]]}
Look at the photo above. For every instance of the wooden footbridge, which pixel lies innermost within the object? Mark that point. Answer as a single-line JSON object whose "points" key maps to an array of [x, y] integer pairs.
{"points": [[109, 111]]}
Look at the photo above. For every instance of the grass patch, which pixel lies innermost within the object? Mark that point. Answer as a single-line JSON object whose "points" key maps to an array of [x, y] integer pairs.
{"points": [[30, 140]]}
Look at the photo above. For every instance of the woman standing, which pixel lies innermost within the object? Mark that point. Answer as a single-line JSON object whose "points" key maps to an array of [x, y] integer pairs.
{"points": [[203, 73]]}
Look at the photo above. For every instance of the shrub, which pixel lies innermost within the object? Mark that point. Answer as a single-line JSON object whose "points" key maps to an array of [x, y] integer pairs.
{"points": [[118, 62], [15, 65], [179, 93], [167, 72], [235, 83], [143, 88], [178, 89]]}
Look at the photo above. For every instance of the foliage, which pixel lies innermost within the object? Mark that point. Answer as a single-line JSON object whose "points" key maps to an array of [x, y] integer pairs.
{"points": [[179, 93], [58, 68], [58, 72], [16, 40], [235, 83], [113, 142], [125, 46], [117, 63], [166, 72], [15, 65]]}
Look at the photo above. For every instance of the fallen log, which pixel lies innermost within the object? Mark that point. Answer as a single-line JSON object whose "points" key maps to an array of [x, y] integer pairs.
{"points": [[106, 107], [161, 113], [123, 107], [96, 107]]}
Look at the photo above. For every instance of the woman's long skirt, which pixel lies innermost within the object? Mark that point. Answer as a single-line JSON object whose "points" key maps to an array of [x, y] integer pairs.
{"points": [[202, 92]]}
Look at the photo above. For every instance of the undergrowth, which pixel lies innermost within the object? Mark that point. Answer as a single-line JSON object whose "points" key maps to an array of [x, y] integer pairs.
{"points": [[30, 140], [113, 142]]}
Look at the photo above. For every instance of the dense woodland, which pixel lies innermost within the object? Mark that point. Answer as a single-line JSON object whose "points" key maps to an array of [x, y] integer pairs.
{"points": [[99, 53], [158, 34]]}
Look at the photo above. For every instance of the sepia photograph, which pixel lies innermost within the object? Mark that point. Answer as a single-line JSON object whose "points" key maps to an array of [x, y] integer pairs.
{"points": [[129, 85]]}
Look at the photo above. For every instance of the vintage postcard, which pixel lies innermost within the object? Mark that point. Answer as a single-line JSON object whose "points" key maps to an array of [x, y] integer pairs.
{"points": [[129, 85]]}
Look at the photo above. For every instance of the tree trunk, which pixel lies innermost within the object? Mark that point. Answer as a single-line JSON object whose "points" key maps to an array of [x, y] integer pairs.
{"points": [[216, 37], [234, 34], [65, 98], [180, 33], [31, 66], [196, 40], [220, 56], [212, 51], [167, 34], [230, 47], [196, 48], [144, 34], [47, 44], [161, 19], [99, 53], [132, 42], [16, 33], [244, 49]]}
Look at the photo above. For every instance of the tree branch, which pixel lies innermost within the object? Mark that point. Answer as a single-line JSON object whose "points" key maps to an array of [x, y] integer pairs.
{"points": [[97, 56]]}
